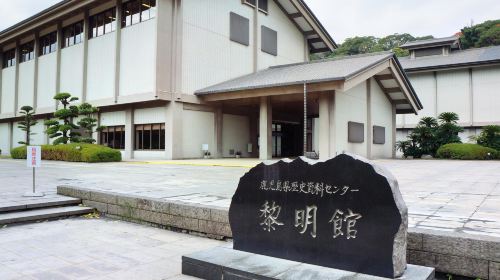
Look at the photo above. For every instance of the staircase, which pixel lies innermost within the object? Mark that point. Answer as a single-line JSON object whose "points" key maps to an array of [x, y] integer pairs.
{"points": [[44, 208]]}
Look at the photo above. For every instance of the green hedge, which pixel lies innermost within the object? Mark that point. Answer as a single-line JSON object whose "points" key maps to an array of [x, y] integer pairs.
{"points": [[466, 151], [76, 152]]}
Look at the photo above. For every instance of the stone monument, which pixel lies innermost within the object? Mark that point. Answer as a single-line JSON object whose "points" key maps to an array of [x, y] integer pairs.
{"points": [[341, 216]]}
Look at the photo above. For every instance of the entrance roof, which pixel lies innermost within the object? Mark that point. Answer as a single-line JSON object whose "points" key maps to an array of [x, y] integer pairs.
{"points": [[323, 75]]}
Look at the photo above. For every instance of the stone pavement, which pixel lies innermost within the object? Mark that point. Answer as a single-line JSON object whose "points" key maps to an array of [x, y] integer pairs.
{"points": [[80, 248], [461, 196]]}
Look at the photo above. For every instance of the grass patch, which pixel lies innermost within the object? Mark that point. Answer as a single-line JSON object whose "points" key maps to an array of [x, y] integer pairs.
{"points": [[466, 152], [75, 152]]}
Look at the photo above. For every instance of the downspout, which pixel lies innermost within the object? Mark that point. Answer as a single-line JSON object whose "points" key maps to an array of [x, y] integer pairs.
{"points": [[305, 120]]}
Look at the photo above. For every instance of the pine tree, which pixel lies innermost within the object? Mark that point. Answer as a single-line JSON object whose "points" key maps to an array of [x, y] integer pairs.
{"points": [[88, 123], [62, 127], [27, 123]]}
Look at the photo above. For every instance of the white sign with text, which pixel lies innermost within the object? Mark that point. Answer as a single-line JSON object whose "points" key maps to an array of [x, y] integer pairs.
{"points": [[33, 156]]}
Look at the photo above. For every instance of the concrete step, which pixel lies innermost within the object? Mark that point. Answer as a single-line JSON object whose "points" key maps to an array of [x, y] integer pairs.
{"points": [[42, 214], [22, 203]]}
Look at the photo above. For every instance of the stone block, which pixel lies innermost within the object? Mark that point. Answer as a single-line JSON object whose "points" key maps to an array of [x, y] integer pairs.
{"points": [[190, 211], [462, 266], [105, 197], [153, 205], [415, 240], [222, 229], [182, 222], [460, 244], [149, 216], [219, 215], [494, 273], [99, 206], [421, 258], [126, 212], [73, 192], [126, 200]]}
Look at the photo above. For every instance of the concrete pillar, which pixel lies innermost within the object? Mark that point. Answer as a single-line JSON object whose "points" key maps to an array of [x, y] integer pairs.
{"points": [[118, 40], [129, 134], [324, 126], [173, 130], [265, 129], [86, 26], [254, 132], [218, 132], [16, 89], [393, 131]]}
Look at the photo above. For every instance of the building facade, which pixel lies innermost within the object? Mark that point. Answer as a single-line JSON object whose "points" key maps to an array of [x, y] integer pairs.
{"points": [[448, 79], [145, 64]]}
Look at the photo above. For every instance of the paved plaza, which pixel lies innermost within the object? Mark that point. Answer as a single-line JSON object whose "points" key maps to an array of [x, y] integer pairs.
{"points": [[80, 248], [462, 196]]}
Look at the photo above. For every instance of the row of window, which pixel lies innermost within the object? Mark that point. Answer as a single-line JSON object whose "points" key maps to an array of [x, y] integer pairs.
{"points": [[133, 12], [147, 137], [239, 32]]}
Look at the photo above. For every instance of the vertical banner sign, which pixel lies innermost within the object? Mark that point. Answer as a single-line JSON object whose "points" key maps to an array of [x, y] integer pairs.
{"points": [[34, 156], [34, 160]]}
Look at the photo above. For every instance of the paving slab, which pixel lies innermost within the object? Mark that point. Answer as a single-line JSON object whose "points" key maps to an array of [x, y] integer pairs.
{"points": [[41, 214]]}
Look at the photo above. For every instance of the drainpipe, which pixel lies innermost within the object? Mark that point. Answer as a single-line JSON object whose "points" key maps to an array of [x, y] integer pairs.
{"points": [[305, 119]]}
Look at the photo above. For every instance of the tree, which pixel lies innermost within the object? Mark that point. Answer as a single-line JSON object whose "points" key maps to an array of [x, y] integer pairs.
{"points": [[448, 129], [62, 127], [489, 137], [26, 124], [88, 123], [481, 35], [425, 134]]}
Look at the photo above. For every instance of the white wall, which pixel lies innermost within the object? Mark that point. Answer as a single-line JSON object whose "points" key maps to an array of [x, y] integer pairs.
{"points": [[453, 93], [291, 45], [150, 115], [101, 67], [17, 135], [71, 80], [8, 90], [137, 57], [235, 134], [381, 111], [5, 138], [26, 84], [425, 87], [350, 106], [208, 55], [40, 138], [198, 129], [46, 87], [112, 118], [486, 88]]}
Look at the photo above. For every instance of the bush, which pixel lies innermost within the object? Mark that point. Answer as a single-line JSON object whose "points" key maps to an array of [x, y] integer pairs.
{"points": [[466, 151], [75, 152]]}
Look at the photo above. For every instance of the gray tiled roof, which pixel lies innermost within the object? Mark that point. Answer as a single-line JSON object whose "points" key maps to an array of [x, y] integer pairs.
{"points": [[454, 59], [433, 41], [299, 73]]}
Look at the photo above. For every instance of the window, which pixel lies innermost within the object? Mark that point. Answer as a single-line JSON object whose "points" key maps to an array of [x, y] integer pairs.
{"points": [[263, 7], [9, 58], [150, 137], [48, 43], [113, 137], [355, 132], [102, 23], [72, 34], [239, 29], [378, 134], [269, 40], [136, 11], [27, 52]]}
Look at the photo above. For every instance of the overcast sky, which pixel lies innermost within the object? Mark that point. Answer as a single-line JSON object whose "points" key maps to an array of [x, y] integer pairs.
{"points": [[344, 19]]}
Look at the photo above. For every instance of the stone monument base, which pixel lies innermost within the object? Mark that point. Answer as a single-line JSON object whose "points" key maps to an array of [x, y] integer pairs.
{"points": [[229, 264]]}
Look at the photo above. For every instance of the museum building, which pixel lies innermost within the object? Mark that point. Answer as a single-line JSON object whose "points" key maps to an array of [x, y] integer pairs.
{"points": [[173, 78], [449, 79]]}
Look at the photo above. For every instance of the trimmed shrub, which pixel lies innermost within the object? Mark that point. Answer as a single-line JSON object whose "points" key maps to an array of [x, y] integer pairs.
{"points": [[75, 152], [466, 151]]}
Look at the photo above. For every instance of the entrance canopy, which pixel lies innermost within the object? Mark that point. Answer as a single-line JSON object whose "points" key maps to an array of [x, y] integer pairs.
{"points": [[338, 74]]}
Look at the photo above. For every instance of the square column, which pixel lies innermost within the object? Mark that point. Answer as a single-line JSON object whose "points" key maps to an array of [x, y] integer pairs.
{"points": [[265, 129], [129, 134], [173, 130], [324, 141]]}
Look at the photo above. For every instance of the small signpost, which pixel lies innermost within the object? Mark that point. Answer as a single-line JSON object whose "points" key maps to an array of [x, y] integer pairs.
{"points": [[34, 160]]}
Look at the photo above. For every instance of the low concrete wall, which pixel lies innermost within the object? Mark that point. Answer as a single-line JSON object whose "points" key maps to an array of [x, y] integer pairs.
{"points": [[449, 252]]}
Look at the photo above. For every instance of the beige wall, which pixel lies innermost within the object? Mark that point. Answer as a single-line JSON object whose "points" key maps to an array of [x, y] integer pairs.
{"points": [[26, 84], [5, 138], [381, 111], [235, 134], [198, 129], [486, 92], [72, 70], [8, 90], [101, 67], [46, 86]]}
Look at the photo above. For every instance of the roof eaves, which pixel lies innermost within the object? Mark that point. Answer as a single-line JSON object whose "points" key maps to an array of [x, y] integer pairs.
{"points": [[408, 83], [453, 65], [320, 25]]}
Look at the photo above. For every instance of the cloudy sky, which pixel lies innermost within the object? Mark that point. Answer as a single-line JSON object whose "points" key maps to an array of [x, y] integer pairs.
{"points": [[344, 19]]}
